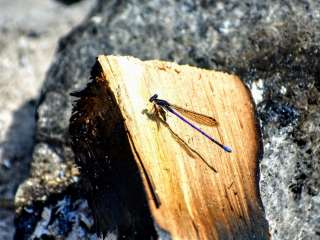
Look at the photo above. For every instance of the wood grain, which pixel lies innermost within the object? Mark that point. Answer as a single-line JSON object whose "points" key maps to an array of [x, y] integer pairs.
{"points": [[195, 189]]}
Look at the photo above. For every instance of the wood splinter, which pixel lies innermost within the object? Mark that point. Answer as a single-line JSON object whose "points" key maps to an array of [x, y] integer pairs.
{"points": [[146, 168]]}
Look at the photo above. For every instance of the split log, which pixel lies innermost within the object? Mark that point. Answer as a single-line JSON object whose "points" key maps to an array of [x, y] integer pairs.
{"points": [[143, 170]]}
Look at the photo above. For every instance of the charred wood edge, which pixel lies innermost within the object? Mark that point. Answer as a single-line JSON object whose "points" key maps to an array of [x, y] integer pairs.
{"points": [[102, 148]]}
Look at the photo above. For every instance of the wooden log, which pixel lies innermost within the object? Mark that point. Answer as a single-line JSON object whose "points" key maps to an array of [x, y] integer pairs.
{"points": [[187, 185]]}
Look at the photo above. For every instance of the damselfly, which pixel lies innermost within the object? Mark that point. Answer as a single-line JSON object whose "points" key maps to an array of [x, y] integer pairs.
{"points": [[181, 113]]}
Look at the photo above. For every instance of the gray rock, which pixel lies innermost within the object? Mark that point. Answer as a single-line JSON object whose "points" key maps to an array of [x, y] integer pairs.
{"points": [[29, 31], [272, 46]]}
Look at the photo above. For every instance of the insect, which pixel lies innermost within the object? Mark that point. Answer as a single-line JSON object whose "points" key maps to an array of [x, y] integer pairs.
{"points": [[162, 106]]}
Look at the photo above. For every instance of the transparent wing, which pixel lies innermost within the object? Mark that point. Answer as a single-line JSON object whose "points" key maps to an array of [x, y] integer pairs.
{"points": [[196, 117]]}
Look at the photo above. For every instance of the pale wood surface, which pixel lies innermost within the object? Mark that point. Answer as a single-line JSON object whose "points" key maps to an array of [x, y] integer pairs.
{"points": [[205, 193]]}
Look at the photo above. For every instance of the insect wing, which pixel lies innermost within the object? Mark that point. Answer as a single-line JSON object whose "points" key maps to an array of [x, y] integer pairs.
{"points": [[196, 117]]}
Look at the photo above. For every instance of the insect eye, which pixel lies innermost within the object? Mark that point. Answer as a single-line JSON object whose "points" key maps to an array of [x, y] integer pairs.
{"points": [[154, 97]]}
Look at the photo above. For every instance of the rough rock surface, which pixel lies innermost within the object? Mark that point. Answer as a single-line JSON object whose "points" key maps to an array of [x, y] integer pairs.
{"points": [[27, 43], [272, 46]]}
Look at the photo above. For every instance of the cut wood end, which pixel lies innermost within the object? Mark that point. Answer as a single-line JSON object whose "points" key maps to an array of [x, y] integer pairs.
{"points": [[195, 189]]}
